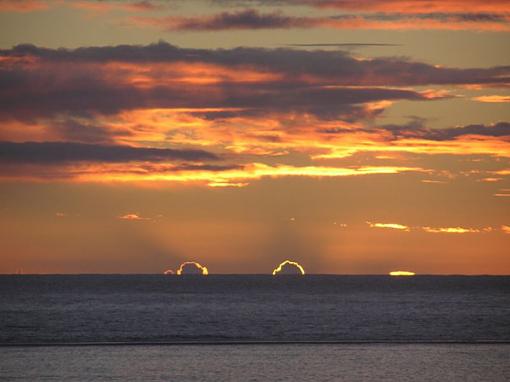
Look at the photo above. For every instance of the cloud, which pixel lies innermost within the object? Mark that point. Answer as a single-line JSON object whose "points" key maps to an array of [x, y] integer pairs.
{"points": [[92, 114], [492, 99], [505, 229], [341, 45], [22, 5], [505, 192], [133, 217], [42, 83], [146, 173], [107, 6], [244, 19], [334, 66], [192, 268], [252, 19], [400, 6], [389, 225], [416, 129], [457, 230], [289, 267], [65, 152]]}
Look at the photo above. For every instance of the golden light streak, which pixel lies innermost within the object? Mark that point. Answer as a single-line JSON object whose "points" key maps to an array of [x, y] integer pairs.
{"points": [[203, 270], [285, 263], [450, 230], [402, 273], [490, 180], [492, 99], [465, 145], [432, 181], [232, 177], [504, 192], [389, 225]]}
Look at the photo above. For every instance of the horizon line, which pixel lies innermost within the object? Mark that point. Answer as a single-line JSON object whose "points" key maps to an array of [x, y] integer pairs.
{"points": [[252, 274]]}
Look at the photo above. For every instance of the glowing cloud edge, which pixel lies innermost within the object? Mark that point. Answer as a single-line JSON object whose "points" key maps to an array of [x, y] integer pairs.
{"points": [[278, 269], [203, 269]]}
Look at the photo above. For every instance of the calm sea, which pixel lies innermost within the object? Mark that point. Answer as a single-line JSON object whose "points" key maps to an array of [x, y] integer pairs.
{"points": [[427, 326]]}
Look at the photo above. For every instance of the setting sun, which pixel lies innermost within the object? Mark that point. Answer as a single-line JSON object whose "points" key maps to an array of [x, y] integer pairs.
{"points": [[402, 273]]}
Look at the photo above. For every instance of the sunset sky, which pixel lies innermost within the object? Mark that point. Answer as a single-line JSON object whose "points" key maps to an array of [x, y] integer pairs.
{"points": [[355, 137]]}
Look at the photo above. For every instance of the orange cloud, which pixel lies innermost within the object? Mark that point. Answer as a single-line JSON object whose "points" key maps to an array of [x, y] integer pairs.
{"points": [[504, 192], [108, 6], [493, 99], [22, 5], [505, 229], [133, 217]]}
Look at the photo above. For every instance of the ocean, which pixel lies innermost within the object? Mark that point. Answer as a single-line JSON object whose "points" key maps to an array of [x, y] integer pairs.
{"points": [[254, 327]]}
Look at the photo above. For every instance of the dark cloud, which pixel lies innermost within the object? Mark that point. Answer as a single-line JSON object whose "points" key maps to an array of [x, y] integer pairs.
{"points": [[38, 82], [75, 131], [437, 16], [501, 129], [252, 19], [341, 45], [244, 19], [63, 152], [338, 67], [417, 129], [407, 6]]}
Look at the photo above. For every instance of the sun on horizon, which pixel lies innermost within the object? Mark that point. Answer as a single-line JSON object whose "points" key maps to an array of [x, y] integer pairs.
{"points": [[402, 273]]}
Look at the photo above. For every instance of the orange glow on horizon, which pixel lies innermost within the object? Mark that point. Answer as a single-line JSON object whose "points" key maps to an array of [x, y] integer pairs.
{"points": [[168, 272], [295, 264]]}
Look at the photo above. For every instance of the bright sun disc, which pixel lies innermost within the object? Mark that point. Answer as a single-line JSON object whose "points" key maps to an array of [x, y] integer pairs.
{"points": [[402, 273]]}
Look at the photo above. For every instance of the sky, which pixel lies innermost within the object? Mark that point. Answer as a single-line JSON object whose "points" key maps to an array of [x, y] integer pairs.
{"points": [[350, 137]]}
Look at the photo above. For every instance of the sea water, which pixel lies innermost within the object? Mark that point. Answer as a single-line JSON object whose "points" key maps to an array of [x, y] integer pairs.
{"points": [[269, 328]]}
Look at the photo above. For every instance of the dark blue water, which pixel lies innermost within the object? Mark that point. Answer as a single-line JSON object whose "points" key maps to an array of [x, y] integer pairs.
{"points": [[136, 308]]}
